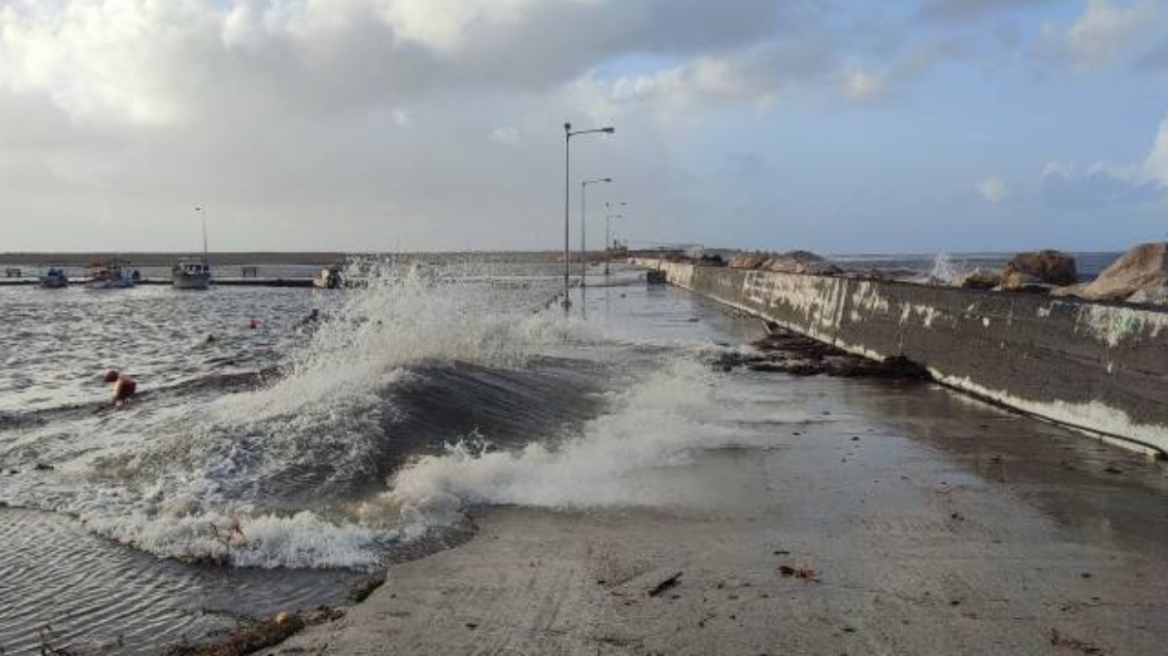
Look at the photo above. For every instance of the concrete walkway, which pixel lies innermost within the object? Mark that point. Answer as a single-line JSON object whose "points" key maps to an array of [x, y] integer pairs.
{"points": [[917, 522]]}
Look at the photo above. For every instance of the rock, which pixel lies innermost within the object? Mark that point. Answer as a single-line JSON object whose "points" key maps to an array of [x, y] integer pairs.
{"points": [[1153, 296], [790, 262], [1049, 267], [819, 268], [1144, 267], [786, 264], [803, 256], [747, 261], [1016, 281], [780, 265], [1075, 290], [980, 279]]}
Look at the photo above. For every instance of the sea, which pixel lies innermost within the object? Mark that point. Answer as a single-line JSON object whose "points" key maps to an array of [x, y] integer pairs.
{"points": [[273, 462]]}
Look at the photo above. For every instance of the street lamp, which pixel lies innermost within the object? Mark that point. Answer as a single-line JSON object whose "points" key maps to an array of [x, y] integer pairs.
{"points": [[202, 212], [568, 134], [583, 245], [607, 233]]}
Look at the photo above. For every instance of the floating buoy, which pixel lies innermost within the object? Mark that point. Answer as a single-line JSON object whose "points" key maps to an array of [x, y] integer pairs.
{"points": [[255, 323]]}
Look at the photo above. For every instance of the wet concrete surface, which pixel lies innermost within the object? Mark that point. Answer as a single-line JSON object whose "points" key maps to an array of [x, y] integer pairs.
{"points": [[921, 522]]}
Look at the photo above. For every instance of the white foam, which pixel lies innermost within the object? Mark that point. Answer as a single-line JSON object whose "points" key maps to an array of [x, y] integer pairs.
{"points": [[661, 422], [266, 540], [191, 471]]}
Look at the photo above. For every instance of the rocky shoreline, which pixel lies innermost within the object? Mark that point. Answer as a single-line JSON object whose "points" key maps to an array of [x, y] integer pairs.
{"points": [[1140, 276]]}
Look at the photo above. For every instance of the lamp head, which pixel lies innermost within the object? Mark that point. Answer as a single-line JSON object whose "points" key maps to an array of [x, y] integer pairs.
{"points": [[608, 130], [606, 179]]}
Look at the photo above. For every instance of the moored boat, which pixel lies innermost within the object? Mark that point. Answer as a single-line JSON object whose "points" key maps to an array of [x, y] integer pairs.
{"points": [[55, 278], [112, 274], [329, 278], [194, 272], [191, 274]]}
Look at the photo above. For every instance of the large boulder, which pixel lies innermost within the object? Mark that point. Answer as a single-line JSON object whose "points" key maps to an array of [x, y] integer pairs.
{"points": [[1144, 267], [803, 256], [980, 279], [819, 268], [748, 260], [1048, 267], [1150, 296], [1016, 281], [781, 265], [801, 262], [1069, 291]]}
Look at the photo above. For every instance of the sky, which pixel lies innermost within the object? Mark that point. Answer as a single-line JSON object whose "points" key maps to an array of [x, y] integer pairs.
{"points": [[839, 126]]}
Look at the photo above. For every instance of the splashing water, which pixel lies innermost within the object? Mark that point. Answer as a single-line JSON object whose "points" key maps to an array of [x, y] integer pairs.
{"points": [[944, 271], [279, 463], [657, 423]]}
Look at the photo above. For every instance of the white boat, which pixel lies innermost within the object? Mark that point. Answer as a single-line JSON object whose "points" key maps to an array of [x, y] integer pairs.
{"points": [[194, 273], [329, 278], [114, 274], [191, 274], [55, 278]]}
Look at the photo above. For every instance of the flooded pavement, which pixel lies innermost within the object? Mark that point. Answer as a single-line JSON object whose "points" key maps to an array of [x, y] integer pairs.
{"points": [[802, 515]]}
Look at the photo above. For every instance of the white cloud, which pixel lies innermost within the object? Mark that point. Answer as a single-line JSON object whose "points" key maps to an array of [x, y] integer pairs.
{"points": [[1107, 34], [959, 10], [861, 85], [505, 136], [1156, 165], [280, 112], [1070, 185], [1105, 31], [993, 189]]}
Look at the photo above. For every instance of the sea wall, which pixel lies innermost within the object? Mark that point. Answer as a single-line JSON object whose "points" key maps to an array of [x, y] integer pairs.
{"points": [[1099, 367]]}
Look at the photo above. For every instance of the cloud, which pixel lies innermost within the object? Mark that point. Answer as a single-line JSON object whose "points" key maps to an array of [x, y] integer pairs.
{"points": [[347, 123], [861, 85], [754, 76], [958, 10], [993, 189], [151, 62], [1067, 185], [1106, 35], [1156, 164], [505, 136], [1105, 32]]}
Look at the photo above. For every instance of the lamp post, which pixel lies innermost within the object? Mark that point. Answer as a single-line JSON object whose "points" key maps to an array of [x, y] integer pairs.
{"points": [[202, 211], [583, 243], [568, 134], [607, 233]]}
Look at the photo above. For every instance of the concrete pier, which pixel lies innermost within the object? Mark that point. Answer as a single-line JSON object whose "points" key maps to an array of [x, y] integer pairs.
{"points": [[1095, 366]]}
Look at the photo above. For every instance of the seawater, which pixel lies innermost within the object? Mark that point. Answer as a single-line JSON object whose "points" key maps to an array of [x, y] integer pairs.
{"points": [[270, 469], [945, 266]]}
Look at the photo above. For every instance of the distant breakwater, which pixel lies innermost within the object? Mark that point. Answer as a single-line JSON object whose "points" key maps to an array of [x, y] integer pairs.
{"points": [[1096, 366]]}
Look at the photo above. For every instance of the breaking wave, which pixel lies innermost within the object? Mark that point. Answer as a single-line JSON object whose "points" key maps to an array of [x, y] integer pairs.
{"points": [[278, 475], [659, 422]]}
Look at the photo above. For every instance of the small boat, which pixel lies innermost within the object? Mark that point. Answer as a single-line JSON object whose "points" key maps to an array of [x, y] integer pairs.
{"points": [[194, 273], [329, 278], [191, 274], [114, 274], [55, 278]]}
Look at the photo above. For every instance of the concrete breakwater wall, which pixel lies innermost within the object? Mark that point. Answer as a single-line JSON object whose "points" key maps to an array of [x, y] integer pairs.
{"points": [[1095, 366]]}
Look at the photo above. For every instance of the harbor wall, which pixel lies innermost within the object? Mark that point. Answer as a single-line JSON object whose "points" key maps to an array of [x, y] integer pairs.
{"points": [[1095, 366]]}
